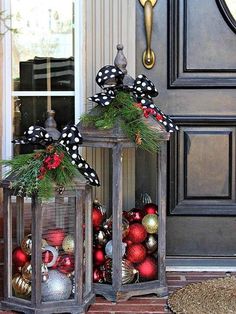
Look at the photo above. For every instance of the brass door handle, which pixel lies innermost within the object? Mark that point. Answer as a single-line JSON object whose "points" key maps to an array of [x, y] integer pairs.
{"points": [[148, 54]]}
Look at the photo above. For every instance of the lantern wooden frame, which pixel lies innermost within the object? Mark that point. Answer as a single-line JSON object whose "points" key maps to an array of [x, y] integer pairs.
{"points": [[117, 141], [84, 295]]}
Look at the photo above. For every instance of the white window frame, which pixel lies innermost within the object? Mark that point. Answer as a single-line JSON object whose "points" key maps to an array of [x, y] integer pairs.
{"points": [[7, 88]]}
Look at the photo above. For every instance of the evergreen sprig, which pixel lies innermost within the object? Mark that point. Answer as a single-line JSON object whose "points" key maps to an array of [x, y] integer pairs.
{"points": [[133, 123], [24, 170]]}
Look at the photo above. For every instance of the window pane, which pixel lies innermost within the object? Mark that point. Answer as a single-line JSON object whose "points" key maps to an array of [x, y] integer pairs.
{"points": [[33, 111], [42, 48]]}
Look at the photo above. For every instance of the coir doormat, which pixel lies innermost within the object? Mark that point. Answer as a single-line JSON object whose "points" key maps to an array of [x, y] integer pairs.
{"points": [[214, 296]]}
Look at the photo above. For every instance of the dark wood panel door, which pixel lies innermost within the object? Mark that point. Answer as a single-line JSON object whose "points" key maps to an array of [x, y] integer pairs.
{"points": [[195, 73]]}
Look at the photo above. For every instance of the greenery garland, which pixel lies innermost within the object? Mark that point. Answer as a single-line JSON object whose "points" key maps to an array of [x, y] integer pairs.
{"points": [[132, 119], [40, 172]]}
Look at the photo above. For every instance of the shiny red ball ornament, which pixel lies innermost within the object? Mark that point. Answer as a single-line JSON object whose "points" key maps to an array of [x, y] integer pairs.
{"points": [[98, 275], [135, 215], [147, 269], [55, 236], [19, 257], [137, 233], [150, 208], [66, 264], [98, 256], [136, 253], [97, 217]]}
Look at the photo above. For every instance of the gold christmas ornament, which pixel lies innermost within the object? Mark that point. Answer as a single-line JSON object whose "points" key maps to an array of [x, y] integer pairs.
{"points": [[151, 243], [27, 272], [150, 222], [26, 244], [128, 271], [68, 244], [20, 285]]}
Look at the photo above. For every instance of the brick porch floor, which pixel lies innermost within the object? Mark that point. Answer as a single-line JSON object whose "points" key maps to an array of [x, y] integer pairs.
{"points": [[150, 304]]}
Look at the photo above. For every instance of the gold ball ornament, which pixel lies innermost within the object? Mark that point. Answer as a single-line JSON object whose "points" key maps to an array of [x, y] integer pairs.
{"points": [[20, 285], [26, 244], [151, 243], [128, 271], [68, 244], [27, 272], [150, 222]]}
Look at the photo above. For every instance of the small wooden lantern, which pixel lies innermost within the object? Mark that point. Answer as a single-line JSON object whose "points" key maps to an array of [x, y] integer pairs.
{"points": [[122, 279], [48, 252]]}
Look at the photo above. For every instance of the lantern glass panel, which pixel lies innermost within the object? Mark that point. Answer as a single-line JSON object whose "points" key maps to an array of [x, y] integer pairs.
{"points": [[130, 239], [58, 253], [21, 247]]}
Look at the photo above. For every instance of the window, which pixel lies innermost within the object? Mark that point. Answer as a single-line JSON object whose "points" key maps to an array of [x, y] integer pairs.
{"points": [[42, 62]]}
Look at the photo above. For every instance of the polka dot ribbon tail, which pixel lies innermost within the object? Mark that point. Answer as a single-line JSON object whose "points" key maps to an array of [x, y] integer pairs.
{"points": [[110, 79], [70, 140]]}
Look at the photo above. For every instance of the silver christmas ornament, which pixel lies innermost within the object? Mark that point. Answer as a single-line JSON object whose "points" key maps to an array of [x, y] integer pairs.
{"points": [[108, 248], [57, 287]]}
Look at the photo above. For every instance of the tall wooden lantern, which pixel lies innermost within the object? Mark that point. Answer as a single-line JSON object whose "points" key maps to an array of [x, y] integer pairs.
{"points": [[48, 223], [130, 245], [48, 253]]}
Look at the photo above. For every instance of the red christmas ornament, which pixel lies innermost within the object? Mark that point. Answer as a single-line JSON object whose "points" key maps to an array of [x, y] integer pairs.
{"points": [[136, 253], [19, 257], [148, 269], [98, 256], [137, 233], [55, 236], [150, 208], [66, 264], [135, 215], [97, 217], [98, 275]]}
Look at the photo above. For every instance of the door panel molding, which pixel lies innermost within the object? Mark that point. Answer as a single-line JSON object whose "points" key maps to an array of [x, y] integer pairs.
{"points": [[226, 14], [190, 193], [180, 75]]}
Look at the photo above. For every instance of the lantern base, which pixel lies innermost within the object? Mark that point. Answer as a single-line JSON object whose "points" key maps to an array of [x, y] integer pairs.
{"points": [[46, 308], [130, 290]]}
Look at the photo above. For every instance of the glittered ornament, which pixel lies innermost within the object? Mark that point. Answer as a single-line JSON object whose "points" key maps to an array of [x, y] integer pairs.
{"points": [[136, 253], [98, 256], [19, 257], [150, 222], [137, 233], [98, 275], [57, 287], [66, 265], [68, 244], [150, 208], [55, 236], [128, 271], [101, 237], [151, 243], [135, 215], [109, 248], [147, 269], [97, 217], [20, 285]]}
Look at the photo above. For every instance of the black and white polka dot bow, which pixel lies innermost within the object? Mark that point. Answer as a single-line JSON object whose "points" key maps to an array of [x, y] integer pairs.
{"points": [[110, 79], [70, 139]]}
